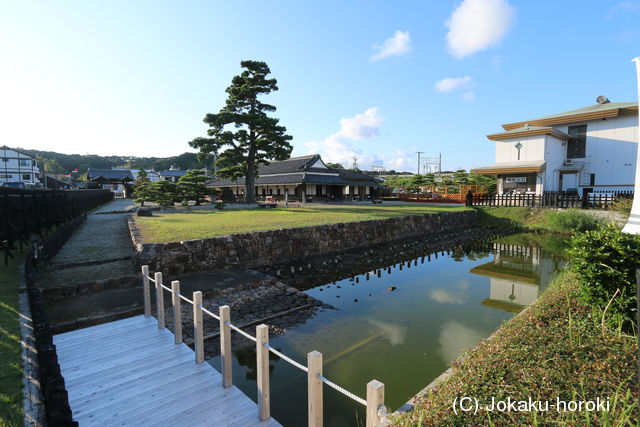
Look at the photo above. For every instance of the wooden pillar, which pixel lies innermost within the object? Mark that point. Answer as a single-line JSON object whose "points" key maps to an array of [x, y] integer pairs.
{"points": [[314, 388], [225, 346], [198, 333], [262, 355], [177, 311], [375, 398], [145, 291], [159, 300]]}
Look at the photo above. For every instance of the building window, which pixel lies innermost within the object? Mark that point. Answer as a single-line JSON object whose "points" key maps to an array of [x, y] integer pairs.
{"points": [[6, 176], [26, 177], [577, 145], [23, 162], [519, 147], [4, 159], [592, 179]]}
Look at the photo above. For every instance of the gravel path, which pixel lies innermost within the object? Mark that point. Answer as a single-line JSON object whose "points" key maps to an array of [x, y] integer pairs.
{"points": [[103, 238]]}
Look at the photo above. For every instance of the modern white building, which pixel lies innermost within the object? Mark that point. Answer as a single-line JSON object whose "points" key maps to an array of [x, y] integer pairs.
{"points": [[591, 149], [16, 166]]}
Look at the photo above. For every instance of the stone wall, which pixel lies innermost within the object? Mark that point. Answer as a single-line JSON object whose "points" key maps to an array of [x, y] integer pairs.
{"points": [[267, 247]]}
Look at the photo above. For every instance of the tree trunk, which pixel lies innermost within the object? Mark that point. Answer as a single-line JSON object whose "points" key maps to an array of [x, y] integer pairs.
{"points": [[250, 178]]}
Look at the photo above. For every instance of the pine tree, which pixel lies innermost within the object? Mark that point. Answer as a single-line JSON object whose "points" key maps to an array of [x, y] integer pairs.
{"points": [[165, 193], [192, 186], [143, 190], [242, 128]]}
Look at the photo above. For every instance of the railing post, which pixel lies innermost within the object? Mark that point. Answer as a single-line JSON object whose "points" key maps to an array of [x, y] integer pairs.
{"points": [[198, 333], [159, 300], [314, 388], [177, 311], [262, 354], [145, 291], [375, 398], [225, 346]]}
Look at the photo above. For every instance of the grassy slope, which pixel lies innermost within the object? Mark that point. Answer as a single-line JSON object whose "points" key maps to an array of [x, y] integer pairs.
{"points": [[557, 349], [202, 224], [10, 369]]}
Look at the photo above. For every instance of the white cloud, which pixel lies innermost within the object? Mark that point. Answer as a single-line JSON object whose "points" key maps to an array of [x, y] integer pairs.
{"points": [[476, 25], [450, 84], [623, 7], [339, 148], [455, 337], [363, 125], [397, 45], [444, 296]]}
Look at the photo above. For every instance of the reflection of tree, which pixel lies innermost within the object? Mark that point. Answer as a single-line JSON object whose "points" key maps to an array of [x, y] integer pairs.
{"points": [[246, 356]]}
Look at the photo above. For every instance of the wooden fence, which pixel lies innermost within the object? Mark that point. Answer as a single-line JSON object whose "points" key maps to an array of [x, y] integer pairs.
{"points": [[554, 199], [376, 412], [26, 212]]}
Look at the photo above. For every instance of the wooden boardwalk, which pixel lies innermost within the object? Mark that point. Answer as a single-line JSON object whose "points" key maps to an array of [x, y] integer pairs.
{"points": [[131, 373]]}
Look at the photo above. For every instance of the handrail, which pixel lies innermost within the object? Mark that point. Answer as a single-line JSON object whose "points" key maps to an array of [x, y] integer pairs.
{"points": [[288, 359], [182, 297], [375, 390], [342, 390], [240, 331], [204, 310]]}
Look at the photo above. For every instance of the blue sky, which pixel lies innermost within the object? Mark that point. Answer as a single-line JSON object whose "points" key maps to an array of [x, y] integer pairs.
{"points": [[378, 80]]}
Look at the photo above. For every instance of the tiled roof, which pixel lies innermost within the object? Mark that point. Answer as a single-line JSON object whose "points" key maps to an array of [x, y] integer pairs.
{"points": [[110, 175]]}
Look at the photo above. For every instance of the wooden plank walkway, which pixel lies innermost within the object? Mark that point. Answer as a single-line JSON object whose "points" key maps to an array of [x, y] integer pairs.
{"points": [[131, 373]]}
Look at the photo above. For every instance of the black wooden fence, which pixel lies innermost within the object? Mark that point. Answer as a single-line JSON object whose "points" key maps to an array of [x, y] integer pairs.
{"points": [[24, 213], [554, 199]]}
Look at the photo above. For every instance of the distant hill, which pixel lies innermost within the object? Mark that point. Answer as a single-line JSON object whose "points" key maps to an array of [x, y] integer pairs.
{"points": [[82, 162]]}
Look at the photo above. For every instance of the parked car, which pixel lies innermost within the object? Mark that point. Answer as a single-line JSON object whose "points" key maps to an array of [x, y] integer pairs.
{"points": [[14, 184]]}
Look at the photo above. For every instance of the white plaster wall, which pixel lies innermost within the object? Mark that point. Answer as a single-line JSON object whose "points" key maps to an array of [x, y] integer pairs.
{"points": [[533, 149], [611, 151], [554, 155], [311, 189]]}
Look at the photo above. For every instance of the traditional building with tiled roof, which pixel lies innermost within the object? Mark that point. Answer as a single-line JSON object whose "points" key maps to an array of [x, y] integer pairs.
{"points": [[304, 178], [591, 149]]}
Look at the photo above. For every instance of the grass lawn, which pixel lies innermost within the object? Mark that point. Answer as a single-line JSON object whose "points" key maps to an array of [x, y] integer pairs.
{"points": [[163, 228], [558, 349], [10, 368]]}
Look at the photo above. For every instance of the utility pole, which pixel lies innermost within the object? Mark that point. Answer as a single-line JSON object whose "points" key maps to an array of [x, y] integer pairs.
{"points": [[440, 163], [418, 153]]}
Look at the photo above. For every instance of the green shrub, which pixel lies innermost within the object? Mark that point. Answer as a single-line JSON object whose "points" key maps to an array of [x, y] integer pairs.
{"points": [[605, 261], [220, 205], [572, 221], [622, 205]]}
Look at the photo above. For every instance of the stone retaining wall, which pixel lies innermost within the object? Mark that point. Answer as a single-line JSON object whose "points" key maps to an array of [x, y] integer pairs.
{"points": [[266, 247]]}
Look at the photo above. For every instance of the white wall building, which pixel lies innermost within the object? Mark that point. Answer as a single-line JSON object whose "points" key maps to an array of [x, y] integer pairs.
{"points": [[591, 149], [16, 166]]}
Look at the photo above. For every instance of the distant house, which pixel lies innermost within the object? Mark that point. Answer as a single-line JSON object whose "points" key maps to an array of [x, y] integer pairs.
{"points": [[117, 180], [152, 175], [16, 166], [173, 174], [305, 177], [591, 149]]}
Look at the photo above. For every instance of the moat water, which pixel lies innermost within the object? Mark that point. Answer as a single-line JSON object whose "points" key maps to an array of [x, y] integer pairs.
{"points": [[403, 324]]}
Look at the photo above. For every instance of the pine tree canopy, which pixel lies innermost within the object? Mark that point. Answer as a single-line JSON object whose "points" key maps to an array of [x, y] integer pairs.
{"points": [[242, 134]]}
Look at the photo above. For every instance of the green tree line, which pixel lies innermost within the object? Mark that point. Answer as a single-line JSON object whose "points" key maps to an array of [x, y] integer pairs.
{"points": [[65, 163], [412, 183]]}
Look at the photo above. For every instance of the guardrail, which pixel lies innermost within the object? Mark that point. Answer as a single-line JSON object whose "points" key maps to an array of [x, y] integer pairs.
{"points": [[376, 412]]}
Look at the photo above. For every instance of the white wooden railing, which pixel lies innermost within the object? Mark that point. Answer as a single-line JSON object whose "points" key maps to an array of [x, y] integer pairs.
{"points": [[374, 403]]}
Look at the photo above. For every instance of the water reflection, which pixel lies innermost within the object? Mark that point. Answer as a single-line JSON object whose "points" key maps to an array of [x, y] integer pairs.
{"points": [[516, 273], [407, 336], [454, 337]]}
